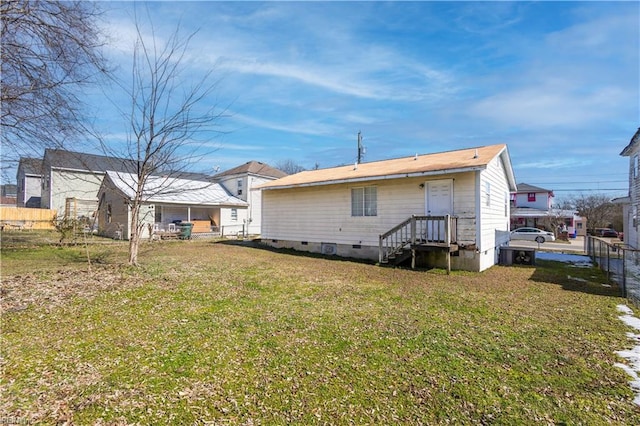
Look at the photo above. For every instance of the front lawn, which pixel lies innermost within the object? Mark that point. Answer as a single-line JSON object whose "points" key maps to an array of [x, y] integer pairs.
{"points": [[212, 333]]}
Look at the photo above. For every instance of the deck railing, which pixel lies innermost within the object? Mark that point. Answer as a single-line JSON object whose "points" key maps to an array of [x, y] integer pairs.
{"points": [[427, 230]]}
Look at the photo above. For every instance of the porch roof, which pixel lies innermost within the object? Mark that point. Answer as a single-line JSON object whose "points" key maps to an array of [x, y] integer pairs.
{"points": [[168, 190]]}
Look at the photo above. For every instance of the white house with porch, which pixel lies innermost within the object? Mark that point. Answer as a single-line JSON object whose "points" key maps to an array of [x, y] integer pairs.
{"points": [[208, 206], [449, 209]]}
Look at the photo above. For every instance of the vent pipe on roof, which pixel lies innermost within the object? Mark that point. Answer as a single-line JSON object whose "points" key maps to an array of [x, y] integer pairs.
{"points": [[355, 166], [416, 157], [475, 155]]}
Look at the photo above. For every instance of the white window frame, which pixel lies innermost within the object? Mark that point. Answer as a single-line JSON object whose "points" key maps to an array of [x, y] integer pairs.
{"points": [[364, 201]]}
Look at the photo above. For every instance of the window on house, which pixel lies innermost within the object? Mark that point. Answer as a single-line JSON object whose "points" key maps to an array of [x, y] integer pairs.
{"points": [[109, 214], [239, 186], [364, 201], [234, 214], [531, 197], [635, 166]]}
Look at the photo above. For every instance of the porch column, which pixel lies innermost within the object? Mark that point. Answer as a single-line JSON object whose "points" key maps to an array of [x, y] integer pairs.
{"points": [[189, 214]]}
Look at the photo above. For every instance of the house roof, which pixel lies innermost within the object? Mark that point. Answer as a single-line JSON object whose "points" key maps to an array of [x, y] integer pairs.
{"points": [[635, 140], [254, 168], [419, 165], [167, 190], [62, 159], [31, 166], [525, 187]]}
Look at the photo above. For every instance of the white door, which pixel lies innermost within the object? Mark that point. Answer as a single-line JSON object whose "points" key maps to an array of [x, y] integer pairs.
{"points": [[438, 202]]}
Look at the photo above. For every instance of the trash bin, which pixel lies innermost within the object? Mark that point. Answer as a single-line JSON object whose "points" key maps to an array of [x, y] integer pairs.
{"points": [[185, 230]]}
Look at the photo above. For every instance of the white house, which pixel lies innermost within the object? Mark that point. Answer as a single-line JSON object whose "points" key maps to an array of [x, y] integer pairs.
{"points": [[29, 181], [240, 181], [632, 203], [532, 206], [205, 204], [70, 180], [354, 211]]}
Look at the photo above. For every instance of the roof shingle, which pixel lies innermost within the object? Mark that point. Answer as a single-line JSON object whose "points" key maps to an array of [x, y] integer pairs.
{"points": [[254, 168], [419, 165]]}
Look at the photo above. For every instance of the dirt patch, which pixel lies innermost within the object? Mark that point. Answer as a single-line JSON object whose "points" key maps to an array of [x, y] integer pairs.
{"points": [[21, 292]]}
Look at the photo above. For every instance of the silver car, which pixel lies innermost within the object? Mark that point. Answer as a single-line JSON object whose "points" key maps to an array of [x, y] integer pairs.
{"points": [[532, 234]]}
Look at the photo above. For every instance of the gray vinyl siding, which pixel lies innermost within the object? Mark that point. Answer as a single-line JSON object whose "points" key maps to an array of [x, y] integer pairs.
{"points": [[631, 236]]}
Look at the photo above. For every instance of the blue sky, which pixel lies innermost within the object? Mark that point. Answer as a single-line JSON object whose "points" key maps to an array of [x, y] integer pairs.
{"points": [[557, 82]]}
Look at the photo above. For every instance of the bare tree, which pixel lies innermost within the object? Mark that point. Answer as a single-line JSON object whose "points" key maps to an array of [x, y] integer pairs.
{"points": [[169, 115], [597, 209], [50, 49], [290, 167], [554, 220]]}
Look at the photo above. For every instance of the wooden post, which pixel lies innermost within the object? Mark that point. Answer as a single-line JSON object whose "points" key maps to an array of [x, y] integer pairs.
{"points": [[413, 258], [447, 230], [447, 234], [413, 229]]}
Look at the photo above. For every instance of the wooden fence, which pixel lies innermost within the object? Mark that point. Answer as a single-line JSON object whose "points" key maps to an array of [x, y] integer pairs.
{"points": [[23, 218]]}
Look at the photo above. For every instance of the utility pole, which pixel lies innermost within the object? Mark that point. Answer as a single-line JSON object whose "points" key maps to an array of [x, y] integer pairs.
{"points": [[360, 147]]}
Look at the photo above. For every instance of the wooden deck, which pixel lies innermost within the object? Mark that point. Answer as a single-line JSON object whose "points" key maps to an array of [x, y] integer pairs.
{"points": [[416, 234]]}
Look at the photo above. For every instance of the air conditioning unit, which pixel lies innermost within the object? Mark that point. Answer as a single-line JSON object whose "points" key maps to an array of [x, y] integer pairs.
{"points": [[517, 256]]}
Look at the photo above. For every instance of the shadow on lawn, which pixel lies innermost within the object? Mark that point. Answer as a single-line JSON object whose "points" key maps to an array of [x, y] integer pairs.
{"points": [[571, 277], [258, 245]]}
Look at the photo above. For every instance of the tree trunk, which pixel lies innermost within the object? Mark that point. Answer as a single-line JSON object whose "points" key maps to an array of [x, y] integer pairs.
{"points": [[134, 240]]}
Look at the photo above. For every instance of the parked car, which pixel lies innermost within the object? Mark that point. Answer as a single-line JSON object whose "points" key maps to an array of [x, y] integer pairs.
{"points": [[605, 232], [532, 234]]}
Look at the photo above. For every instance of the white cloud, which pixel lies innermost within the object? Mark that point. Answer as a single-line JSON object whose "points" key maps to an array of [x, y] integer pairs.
{"points": [[305, 127]]}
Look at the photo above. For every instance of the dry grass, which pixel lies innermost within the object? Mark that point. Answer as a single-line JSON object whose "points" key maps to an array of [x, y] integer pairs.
{"points": [[223, 334]]}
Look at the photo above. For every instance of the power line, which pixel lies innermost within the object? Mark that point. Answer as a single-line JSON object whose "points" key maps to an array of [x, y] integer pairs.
{"points": [[591, 189], [582, 182]]}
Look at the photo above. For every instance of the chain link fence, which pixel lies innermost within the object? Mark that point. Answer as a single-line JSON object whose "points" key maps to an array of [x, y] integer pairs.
{"points": [[620, 262]]}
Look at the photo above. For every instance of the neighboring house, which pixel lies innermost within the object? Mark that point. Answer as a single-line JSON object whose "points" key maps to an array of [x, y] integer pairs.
{"points": [[167, 200], [240, 181], [631, 204], [8, 195], [532, 197], [532, 206], [70, 180], [446, 209], [29, 178]]}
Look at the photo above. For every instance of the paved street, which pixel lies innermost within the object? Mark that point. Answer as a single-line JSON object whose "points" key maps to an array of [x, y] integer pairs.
{"points": [[574, 245]]}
